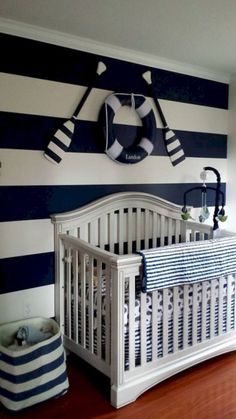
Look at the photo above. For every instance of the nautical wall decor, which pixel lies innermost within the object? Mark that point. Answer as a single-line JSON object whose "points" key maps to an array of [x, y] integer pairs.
{"points": [[136, 152], [172, 143], [63, 136], [32, 187]]}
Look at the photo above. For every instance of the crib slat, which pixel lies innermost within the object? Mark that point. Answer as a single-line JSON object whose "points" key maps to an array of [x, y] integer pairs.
{"points": [[234, 302], [220, 322], [204, 308], [154, 230], [83, 232], [108, 314], [90, 304], [185, 319], [68, 292], [146, 228], [195, 306], [102, 231], [83, 299], [175, 318], [111, 231], [75, 259], [154, 324], [73, 232], [165, 321], [143, 329], [177, 231], [93, 232], [130, 230], [170, 231], [162, 231], [121, 232], [138, 229], [213, 307], [229, 293], [131, 322], [99, 309]]}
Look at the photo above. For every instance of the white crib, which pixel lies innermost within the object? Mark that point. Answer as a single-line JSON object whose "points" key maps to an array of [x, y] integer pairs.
{"points": [[134, 338]]}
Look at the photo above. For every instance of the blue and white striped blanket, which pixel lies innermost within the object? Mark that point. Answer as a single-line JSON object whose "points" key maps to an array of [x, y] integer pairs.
{"points": [[185, 263]]}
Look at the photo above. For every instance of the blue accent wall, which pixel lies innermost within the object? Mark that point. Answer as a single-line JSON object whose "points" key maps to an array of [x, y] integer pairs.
{"points": [[21, 131]]}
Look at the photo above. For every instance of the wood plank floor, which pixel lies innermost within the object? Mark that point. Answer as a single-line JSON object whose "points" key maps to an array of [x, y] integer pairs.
{"points": [[206, 391]]}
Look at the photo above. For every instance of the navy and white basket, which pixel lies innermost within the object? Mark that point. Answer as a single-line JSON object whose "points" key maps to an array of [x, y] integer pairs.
{"points": [[33, 374]]}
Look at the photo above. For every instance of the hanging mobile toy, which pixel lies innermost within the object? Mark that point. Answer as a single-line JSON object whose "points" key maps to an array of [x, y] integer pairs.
{"points": [[219, 214], [204, 214], [186, 214]]}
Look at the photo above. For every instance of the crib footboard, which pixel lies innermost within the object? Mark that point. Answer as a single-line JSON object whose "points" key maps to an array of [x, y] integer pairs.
{"points": [[169, 330], [134, 338]]}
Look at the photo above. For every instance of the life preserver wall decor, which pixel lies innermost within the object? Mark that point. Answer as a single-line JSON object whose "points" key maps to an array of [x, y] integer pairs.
{"points": [[136, 152]]}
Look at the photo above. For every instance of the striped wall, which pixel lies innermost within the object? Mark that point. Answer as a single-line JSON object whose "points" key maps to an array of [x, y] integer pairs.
{"points": [[39, 91]]}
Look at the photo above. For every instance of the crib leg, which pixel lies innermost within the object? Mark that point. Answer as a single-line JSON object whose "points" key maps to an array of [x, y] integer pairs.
{"points": [[122, 396]]}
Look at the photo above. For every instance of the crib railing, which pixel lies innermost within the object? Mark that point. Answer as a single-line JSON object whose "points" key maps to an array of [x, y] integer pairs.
{"points": [[85, 312], [108, 322]]}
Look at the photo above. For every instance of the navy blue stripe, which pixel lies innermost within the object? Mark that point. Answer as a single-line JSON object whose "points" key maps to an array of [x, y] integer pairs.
{"points": [[24, 395], [23, 378], [177, 161], [171, 139], [52, 155], [51, 62], [23, 272], [173, 152], [61, 145], [34, 202], [34, 132], [24, 359], [67, 131]]}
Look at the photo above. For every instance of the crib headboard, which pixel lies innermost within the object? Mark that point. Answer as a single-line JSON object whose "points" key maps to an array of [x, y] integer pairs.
{"points": [[129, 221]]}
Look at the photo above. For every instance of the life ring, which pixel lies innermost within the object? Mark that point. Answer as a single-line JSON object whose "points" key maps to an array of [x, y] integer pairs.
{"points": [[136, 152]]}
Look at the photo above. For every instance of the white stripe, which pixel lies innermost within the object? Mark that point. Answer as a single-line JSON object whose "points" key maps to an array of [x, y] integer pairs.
{"points": [[69, 125], [42, 97], [177, 155], [19, 238], [146, 144], [63, 138], [42, 379], [12, 405], [173, 145], [29, 167], [144, 109], [57, 150], [33, 302], [115, 150], [113, 102], [169, 134], [183, 116], [50, 158]]}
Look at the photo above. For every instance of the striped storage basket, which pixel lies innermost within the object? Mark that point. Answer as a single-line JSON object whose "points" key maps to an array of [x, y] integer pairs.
{"points": [[33, 374]]}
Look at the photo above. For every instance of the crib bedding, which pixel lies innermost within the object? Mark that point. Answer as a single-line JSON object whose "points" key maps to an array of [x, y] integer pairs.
{"points": [[210, 287], [188, 262]]}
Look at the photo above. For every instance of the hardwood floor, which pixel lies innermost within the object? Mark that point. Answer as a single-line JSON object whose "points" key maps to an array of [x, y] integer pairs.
{"points": [[206, 391]]}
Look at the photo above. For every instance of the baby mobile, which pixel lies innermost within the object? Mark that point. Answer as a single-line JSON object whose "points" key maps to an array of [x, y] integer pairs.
{"points": [[61, 140], [219, 214]]}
